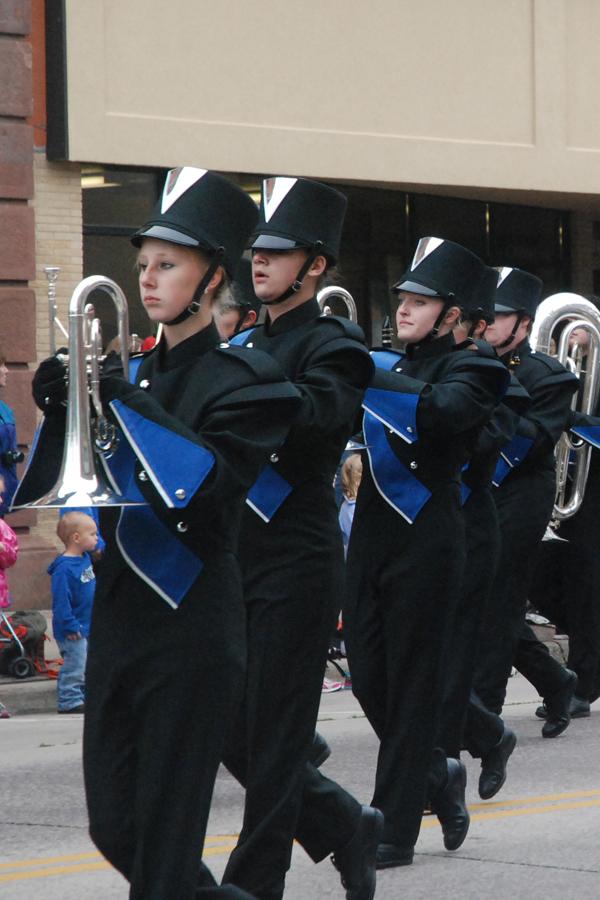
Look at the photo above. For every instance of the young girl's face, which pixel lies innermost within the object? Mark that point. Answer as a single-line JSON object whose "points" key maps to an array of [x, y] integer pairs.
{"points": [[416, 316], [168, 276], [274, 270]]}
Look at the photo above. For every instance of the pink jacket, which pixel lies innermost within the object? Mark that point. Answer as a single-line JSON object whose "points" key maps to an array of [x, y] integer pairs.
{"points": [[8, 558]]}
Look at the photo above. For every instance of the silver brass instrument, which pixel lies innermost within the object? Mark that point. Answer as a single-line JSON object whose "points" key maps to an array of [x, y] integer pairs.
{"points": [[572, 455], [334, 290], [79, 482]]}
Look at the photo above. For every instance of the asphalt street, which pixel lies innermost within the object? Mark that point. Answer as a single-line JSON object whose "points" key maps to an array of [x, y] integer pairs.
{"points": [[537, 839]]}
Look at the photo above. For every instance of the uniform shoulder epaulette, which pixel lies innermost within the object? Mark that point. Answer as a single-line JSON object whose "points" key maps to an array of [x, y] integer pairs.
{"points": [[343, 327], [257, 365], [551, 363]]}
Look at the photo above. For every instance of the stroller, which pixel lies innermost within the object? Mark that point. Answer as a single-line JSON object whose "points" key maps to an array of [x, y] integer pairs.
{"points": [[23, 634]]}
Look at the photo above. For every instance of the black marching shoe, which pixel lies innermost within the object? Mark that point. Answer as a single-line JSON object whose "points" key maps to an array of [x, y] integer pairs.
{"points": [[356, 860], [320, 750], [558, 707], [450, 806], [579, 709], [389, 856], [493, 765]]}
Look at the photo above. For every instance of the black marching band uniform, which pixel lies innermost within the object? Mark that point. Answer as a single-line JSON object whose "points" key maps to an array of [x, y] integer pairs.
{"points": [[464, 720], [167, 646], [291, 546], [524, 496], [407, 548], [566, 586]]}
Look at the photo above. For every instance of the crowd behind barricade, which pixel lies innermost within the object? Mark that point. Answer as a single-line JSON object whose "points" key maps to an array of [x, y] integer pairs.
{"points": [[239, 544]]}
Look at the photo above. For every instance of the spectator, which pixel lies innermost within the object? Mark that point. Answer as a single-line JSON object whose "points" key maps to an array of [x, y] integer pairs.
{"points": [[73, 585], [9, 549], [350, 475]]}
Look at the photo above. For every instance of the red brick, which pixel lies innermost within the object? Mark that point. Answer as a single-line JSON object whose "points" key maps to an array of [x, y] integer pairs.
{"points": [[16, 86], [17, 324], [16, 160], [17, 394], [17, 242], [15, 16]]}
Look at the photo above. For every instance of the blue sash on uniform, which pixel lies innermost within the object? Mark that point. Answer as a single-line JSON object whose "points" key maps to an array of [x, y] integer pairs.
{"points": [[156, 555], [512, 455], [240, 339], [589, 433], [268, 493], [396, 484]]}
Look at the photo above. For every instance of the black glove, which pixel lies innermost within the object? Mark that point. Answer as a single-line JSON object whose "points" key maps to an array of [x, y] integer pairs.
{"points": [[11, 457], [49, 386], [112, 365]]}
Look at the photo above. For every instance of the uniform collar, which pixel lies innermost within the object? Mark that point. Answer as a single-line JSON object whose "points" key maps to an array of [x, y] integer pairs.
{"points": [[191, 348], [433, 347], [307, 311], [522, 349]]}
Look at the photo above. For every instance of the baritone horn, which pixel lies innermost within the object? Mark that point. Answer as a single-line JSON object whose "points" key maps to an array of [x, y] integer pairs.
{"points": [[334, 290], [81, 482], [572, 455]]}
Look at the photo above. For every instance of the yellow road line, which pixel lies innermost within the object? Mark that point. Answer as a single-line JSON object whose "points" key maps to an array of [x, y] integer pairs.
{"points": [[216, 845], [554, 805]]}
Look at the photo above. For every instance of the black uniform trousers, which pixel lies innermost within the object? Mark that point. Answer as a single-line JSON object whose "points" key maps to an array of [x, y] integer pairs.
{"points": [[483, 546], [483, 728], [396, 618], [524, 502], [293, 576], [155, 724], [566, 586]]}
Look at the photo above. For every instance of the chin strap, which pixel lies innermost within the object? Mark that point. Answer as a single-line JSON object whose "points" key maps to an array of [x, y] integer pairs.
{"points": [[194, 306], [295, 286], [448, 301], [511, 336]]}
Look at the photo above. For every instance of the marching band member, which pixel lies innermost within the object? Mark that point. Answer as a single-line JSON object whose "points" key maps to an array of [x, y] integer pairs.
{"points": [[464, 720], [291, 546], [569, 568], [407, 548], [241, 308], [524, 499], [167, 645]]}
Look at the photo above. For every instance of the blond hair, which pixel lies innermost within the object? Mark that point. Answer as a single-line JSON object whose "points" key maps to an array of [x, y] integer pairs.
{"points": [[351, 474], [70, 523]]}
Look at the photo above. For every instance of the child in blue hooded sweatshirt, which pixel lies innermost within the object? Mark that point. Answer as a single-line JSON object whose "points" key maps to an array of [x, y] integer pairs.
{"points": [[73, 585]]}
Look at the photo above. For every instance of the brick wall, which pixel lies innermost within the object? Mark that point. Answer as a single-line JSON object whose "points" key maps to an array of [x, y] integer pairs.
{"points": [[58, 242], [40, 224]]}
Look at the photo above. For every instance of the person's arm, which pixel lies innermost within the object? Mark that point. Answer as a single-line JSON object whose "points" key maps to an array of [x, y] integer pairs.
{"points": [[200, 471], [10, 546], [336, 370], [62, 609]]}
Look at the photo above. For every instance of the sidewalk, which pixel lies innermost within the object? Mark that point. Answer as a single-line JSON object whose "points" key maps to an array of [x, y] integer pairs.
{"points": [[38, 694]]}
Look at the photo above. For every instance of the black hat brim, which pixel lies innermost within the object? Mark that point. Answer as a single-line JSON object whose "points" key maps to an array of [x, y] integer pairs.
{"points": [[416, 287], [500, 308], [163, 233], [274, 242]]}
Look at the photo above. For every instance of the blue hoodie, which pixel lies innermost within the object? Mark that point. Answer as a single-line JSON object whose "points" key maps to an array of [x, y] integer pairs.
{"points": [[73, 586]]}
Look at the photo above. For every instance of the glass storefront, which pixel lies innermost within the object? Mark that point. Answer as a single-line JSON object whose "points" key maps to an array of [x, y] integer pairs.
{"points": [[381, 230]]}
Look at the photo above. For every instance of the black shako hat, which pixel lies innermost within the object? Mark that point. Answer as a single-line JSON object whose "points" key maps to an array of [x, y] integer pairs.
{"points": [[517, 291], [198, 208], [296, 212], [242, 287], [450, 272]]}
